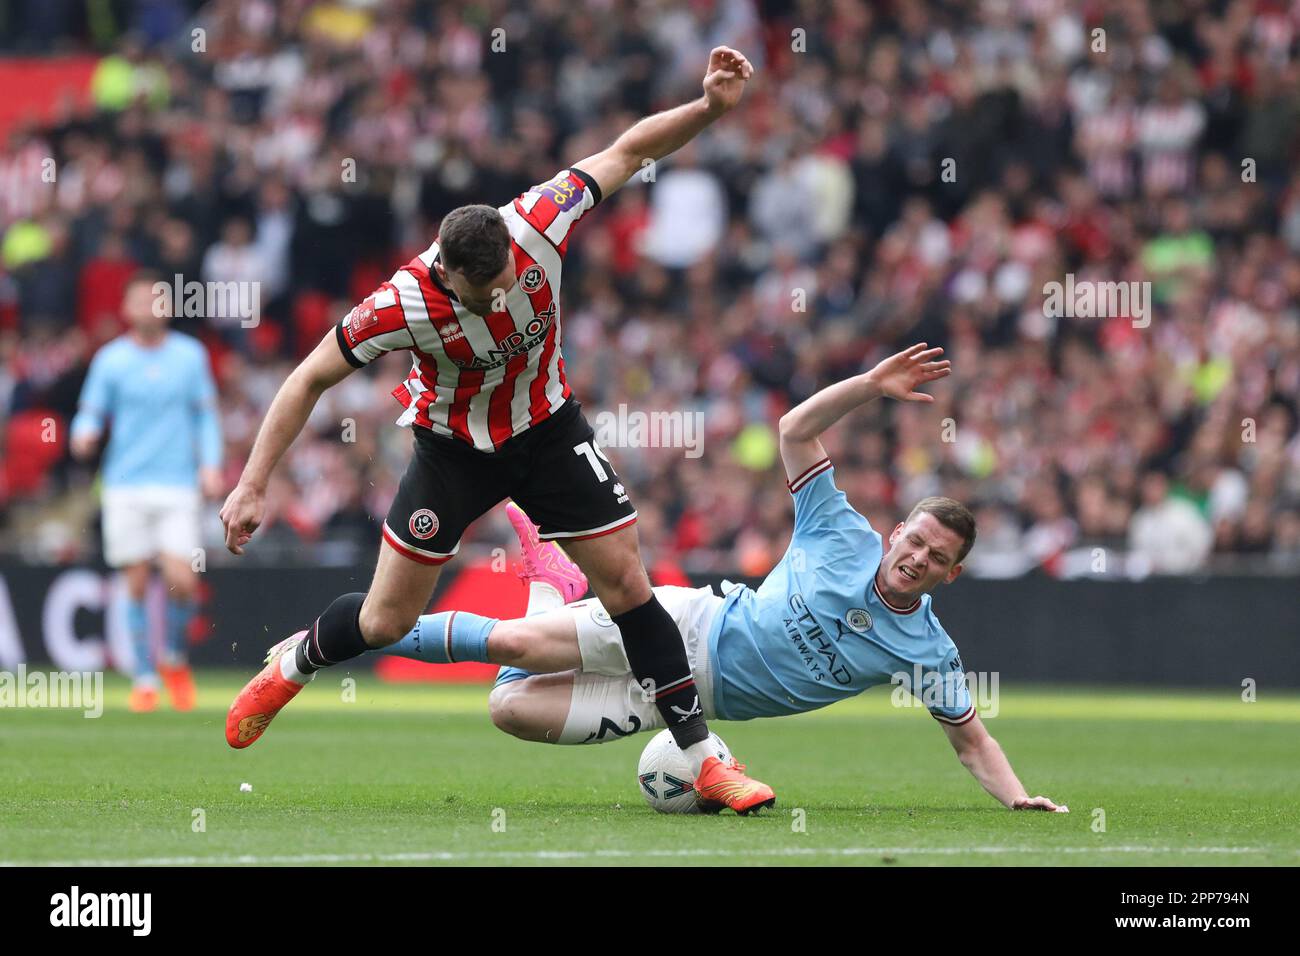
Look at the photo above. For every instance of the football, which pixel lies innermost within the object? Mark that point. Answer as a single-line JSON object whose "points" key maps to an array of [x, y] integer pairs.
{"points": [[665, 775]]}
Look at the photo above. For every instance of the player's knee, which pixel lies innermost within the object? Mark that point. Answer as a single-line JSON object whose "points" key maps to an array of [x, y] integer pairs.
{"points": [[499, 709], [509, 710], [381, 626], [182, 587], [627, 588]]}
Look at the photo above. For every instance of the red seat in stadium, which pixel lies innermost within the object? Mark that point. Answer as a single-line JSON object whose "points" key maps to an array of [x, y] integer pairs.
{"points": [[34, 441]]}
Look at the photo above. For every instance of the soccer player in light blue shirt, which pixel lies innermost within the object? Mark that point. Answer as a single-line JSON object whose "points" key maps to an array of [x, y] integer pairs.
{"points": [[152, 389], [843, 611]]}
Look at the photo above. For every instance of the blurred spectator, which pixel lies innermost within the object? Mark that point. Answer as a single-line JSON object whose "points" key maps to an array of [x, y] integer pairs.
{"points": [[920, 172], [687, 213], [1167, 531]]}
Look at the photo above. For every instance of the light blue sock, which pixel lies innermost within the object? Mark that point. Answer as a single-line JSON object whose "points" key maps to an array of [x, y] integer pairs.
{"points": [[508, 675], [137, 625], [179, 615], [448, 637]]}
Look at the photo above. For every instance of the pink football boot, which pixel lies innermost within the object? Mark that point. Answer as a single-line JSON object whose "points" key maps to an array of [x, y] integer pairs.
{"points": [[544, 561]]}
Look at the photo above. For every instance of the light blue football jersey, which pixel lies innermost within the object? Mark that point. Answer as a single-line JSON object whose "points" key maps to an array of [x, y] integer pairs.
{"points": [[817, 630], [161, 403]]}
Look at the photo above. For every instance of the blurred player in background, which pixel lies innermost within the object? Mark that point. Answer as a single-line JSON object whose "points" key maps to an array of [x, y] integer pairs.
{"points": [[153, 390]]}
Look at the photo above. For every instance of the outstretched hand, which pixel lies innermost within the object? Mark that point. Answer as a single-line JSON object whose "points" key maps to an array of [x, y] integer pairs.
{"points": [[899, 375], [724, 81], [1039, 803]]}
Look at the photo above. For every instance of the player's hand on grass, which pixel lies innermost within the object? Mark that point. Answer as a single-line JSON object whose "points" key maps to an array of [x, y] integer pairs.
{"points": [[899, 375], [724, 81], [1038, 803], [241, 514]]}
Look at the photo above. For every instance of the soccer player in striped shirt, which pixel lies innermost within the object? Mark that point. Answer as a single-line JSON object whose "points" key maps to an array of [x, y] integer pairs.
{"points": [[493, 418]]}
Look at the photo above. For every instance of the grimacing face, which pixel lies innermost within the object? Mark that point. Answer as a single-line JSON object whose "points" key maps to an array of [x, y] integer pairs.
{"points": [[479, 299], [922, 554]]}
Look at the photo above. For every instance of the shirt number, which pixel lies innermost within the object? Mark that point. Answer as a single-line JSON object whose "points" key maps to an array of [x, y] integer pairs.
{"points": [[594, 458]]}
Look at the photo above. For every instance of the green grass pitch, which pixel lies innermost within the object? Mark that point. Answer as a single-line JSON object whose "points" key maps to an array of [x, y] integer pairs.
{"points": [[417, 774]]}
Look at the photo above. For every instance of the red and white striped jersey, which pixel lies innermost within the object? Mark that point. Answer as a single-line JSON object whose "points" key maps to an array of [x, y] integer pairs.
{"points": [[480, 379]]}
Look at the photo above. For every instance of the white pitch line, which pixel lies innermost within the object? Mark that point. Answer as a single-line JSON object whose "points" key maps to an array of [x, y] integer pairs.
{"points": [[448, 856]]}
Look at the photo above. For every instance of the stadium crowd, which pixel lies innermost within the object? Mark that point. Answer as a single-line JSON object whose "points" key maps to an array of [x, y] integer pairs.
{"points": [[897, 172]]}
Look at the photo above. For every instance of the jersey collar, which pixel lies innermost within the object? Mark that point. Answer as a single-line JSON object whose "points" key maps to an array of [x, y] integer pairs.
{"points": [[897, 610], [433, 277]]}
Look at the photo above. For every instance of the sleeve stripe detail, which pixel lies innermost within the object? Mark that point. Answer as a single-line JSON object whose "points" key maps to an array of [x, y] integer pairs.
{"points": [[343, 347], [965, 718], [589, 183], [537, 229], [807, 471], [798, 482], [559, 228]]}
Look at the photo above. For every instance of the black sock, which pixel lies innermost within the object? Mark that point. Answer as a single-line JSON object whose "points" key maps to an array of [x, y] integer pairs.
{"points": [[654, 649], [336, 635]]}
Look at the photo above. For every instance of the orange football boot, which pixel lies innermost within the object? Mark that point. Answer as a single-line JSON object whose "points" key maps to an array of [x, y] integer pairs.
{"points": [[143, 699], [725, 785], [262, 697], [179, 682]]}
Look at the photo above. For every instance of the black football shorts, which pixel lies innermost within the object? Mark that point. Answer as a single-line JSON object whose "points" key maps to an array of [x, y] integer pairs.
{"points": [[554, 471]]}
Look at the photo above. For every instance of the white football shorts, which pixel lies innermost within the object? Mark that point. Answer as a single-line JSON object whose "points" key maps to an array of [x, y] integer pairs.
{"points": [[607, 701], [142, 522]]}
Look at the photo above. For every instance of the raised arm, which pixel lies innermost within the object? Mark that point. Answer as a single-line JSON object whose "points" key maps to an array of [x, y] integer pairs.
{"points": [[897, 377], [980, 754], [659, 135], [243, 510]]}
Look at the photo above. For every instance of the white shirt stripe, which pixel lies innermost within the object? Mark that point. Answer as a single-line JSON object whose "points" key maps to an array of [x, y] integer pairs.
{"points": [[544, 254], [428, 255], [521, 310], [428, 341], [480, 340], [527, 235], [370, 349]]}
